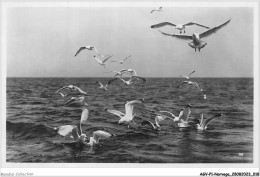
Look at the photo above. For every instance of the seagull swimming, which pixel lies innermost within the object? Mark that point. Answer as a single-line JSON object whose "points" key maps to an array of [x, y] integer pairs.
{"points": [[158, 10], [102, 62], [180, 27], [86, 47], [72, 88], [122, 61], [189, 83], [188, 77], [204, 122], [156, 125], [128, 116], [197, 43], [77, 134]]}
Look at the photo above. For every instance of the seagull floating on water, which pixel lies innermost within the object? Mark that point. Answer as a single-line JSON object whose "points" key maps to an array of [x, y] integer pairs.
{"points": [[204, 122], [102, 62], [122, 61], [157, 10], [180, 27], [188, 77], [197, 43], [189, 83], [128, 116], [86, 47], [72, 88]]}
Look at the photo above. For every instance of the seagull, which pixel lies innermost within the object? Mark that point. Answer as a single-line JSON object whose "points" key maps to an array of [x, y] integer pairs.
{"points": [[156, 125], [189, 83], [183, 121], [81, 100], [86, 47], [103, 86], [176, 118], [128, 116], [72, 88], [158, 10], [132, 80], [122, 61], [197, 43], [204, 122], [119, 73], [102, 62], [77, 134], [188, 77], [178, 26]]}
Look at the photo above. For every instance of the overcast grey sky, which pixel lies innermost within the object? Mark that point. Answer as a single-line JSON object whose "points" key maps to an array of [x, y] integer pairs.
{"points": [[42, 41]]}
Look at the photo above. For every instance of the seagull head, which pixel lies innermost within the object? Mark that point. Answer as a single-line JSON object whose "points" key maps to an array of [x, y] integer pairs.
{"points": [[188, 106]]}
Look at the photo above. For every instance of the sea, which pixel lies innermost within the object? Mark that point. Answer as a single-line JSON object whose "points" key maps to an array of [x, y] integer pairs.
{"points": [[33, 110]]}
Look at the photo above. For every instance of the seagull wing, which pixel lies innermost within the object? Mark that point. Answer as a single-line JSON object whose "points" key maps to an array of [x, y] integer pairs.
{"points": [[208, 120], [80, 49], [192, 23], [99, 134], [115, 112], [137, 77], [184, 37], [162, 24], [126, 58], [196, 84], [81, 91], [186, 114], [147, 122], [213, 30], [106, 58], [112, 80], [168, 113], [67, 130], [182, 83], [129, 106], [191, 73], [62, 89]]}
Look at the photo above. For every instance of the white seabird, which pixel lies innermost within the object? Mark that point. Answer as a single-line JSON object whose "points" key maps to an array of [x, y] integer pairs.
{"points": [[78, 136], [176, 118], [86, 47], [128, 116], [180, 27], [71, 88], [189, 83], [132, 80], [188, 77], [197, 43], [184, 118], [102, 86], [102, 62], [122, 61], [156, 125], [204, 122], [157, 10]]}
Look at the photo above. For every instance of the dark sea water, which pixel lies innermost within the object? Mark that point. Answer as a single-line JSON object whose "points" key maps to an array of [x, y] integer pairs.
{"points": [[33, 109]]}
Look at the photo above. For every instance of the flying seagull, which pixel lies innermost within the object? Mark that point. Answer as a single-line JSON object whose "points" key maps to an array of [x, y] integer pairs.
{"points": [[77, 134], [122, 61], [204, 122], [102, 86], [131, 81], [189, 83], [72, 88], [157, 10], [188, 77], [128, 116], [156, 125], [102, 62], [197, 43], [85, 47], [180, 27]]}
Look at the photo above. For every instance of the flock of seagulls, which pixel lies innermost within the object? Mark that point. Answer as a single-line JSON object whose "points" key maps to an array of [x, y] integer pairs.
{"points": [[183, 120]]}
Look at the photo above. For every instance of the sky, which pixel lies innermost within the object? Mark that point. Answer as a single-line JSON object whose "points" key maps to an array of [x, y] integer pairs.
{"points": [[42, 41]]}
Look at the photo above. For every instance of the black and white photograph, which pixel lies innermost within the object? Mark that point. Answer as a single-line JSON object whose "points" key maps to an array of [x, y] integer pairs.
{"points": [[130, 83]]}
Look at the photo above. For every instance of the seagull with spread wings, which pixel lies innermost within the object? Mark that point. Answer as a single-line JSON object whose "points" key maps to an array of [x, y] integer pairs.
{"points": [[84, 48], [188, 77], [122, 61], [102, 62], [157, 10], [197, 43], [180, 27], [128, 116], [133, 80], [189, 83], [204, 122], [71, 88], [156, 125]]}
